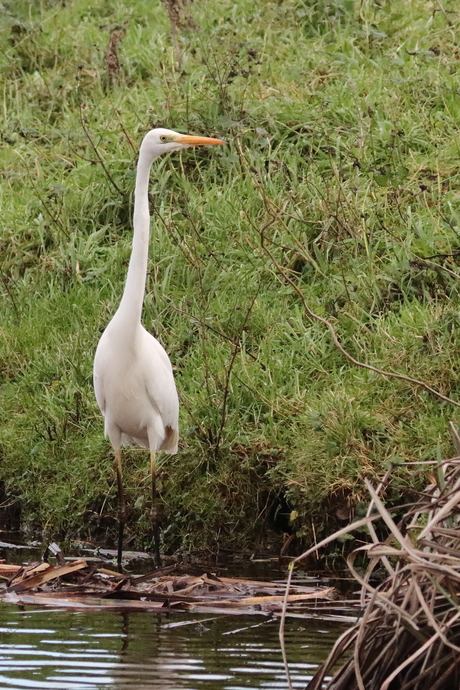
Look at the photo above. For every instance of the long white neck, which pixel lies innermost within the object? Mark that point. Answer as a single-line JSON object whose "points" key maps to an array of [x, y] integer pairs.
{"points": [[133, 295]]}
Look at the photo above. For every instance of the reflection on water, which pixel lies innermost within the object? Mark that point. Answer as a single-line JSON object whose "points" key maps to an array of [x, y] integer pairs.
{"points": [[63, 650]]}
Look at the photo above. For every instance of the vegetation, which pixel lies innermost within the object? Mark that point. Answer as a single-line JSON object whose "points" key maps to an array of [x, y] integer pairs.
{"points": [[407, 634], [341, 175]]}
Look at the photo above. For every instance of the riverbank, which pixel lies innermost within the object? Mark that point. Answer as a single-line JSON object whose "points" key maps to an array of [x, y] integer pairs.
{"points": [[339, 186]]}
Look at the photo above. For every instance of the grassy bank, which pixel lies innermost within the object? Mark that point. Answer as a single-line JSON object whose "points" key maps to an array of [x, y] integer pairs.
{"points": [[341, 174]]}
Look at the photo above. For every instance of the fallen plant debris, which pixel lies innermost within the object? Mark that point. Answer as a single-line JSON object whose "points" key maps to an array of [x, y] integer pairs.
{"points": [[408, 636], [79, 584], [111, 58]]}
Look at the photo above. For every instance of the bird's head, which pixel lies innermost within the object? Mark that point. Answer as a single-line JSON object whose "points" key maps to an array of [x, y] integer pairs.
{"points": [[160, 140]]}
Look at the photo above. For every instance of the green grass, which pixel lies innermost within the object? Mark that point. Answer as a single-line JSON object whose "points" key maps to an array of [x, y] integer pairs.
{"points": [[342, 123]]}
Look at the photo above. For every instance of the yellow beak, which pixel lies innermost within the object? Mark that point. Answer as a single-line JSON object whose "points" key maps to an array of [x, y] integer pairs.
{"points": [[197, 141]]}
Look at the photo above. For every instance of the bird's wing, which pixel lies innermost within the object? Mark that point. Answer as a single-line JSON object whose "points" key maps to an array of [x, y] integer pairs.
{"points": [[98, 382], [159, 382]]}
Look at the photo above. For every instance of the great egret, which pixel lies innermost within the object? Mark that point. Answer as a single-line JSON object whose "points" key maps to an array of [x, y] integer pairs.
{"points": [[133, 378]]}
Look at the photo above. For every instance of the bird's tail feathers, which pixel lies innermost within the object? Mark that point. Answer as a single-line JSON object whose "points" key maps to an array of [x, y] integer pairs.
{"points": [[170, 441]]}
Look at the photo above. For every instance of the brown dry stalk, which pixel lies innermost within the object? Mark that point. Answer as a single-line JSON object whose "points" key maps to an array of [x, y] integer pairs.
{"points": [[112, 62], [409, 635], [345, 530], [179, 19]]}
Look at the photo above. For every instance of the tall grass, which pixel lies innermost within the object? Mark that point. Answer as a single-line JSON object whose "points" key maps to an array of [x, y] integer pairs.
{"points": [[342, 123]]}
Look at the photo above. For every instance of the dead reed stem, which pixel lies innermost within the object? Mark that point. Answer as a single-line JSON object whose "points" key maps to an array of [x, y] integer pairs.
{"points": [[408, 637]]}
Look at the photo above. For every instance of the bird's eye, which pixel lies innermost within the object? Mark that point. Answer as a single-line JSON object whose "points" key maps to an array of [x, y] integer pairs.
{"points": [[163, 137]]}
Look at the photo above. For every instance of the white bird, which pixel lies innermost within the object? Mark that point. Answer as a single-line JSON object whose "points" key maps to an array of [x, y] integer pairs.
{"points": [[133, 378]]}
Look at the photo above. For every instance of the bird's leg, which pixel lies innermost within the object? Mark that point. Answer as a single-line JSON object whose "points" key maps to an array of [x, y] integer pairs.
{"points": [[154, 517], [121, 508]]}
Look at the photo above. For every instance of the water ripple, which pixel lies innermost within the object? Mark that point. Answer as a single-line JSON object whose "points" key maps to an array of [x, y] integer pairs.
{"points": [[62, 650]]}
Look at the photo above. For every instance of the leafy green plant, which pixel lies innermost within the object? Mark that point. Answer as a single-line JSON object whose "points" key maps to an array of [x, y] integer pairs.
{"points": [[341, 173]]}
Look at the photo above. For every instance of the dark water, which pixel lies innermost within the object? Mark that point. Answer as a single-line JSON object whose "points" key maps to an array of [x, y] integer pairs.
{"points": [[55, 649]]}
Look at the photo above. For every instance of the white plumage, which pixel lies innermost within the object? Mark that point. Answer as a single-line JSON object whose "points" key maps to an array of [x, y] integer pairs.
{"points": [[133, 378]]}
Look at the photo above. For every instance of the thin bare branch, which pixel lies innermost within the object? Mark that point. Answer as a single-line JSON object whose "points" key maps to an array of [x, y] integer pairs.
{"points": [[236, 348], [401, 377], [98, 155]]}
